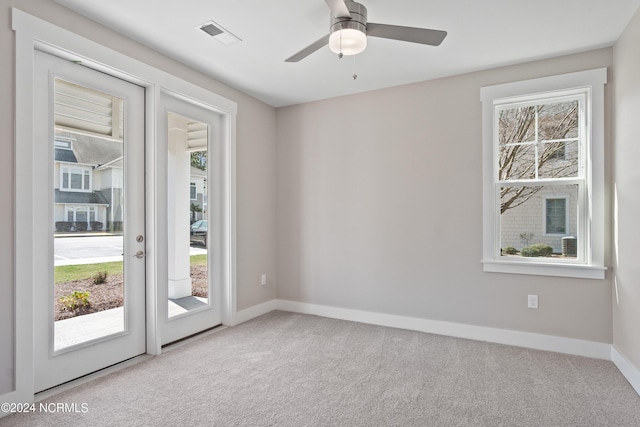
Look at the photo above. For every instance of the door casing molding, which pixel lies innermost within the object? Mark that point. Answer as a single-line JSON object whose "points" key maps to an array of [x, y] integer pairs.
{"points": [[32, 33]]}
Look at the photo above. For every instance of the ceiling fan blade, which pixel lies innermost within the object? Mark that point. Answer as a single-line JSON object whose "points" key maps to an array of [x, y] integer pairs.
{"points": [[338, 8], [407, 34], [309, 49]]}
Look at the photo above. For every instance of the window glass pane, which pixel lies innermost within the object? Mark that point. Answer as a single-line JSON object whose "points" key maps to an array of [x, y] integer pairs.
{"points": [[517, 161], [76, 180], [188, 233], [540, 216], [558, 121], [558, 159], [81, 215], [516, 125], [76, 295], [539, 141], [556, 216]]}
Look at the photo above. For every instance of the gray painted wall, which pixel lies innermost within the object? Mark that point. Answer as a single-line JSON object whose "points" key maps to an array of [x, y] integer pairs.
{"points": [[626, 298], [255, 167], [380, 206]]}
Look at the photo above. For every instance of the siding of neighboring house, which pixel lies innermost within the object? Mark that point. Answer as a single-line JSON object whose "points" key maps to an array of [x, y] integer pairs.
{"points": [[108, 181], [530, 218]]}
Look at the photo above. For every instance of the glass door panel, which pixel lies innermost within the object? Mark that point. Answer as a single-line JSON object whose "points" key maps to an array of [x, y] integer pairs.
{"points": [[188, 287], [190, 296], [89, 295]]}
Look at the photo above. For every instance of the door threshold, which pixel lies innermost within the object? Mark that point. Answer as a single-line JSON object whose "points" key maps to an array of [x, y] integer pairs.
{"points": [[45, 394], [191, 338]]}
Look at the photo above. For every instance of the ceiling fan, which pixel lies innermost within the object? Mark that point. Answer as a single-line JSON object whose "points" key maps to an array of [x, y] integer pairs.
{"points": [[348, 31]]}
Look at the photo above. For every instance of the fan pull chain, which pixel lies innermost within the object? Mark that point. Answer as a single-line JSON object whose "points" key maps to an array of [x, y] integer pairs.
{"points": [[354, 76], [340, 55]]}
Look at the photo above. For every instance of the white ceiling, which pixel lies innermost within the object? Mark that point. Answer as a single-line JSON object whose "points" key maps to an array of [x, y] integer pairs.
{"points": [[482, 34]]}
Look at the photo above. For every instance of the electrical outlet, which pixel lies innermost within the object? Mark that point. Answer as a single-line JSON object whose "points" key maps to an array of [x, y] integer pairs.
{"points": [[532, 301], [263, 280]]}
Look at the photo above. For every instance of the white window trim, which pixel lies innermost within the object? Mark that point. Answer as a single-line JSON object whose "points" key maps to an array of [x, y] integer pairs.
{"points": [[193, 185], [592, 266], [567, 204]]}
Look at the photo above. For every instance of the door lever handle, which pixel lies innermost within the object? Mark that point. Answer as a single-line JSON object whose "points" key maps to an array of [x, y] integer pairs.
{"points": [[139, 255]]}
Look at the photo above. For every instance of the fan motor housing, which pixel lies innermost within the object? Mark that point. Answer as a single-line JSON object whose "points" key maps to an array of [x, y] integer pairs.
{"points": [[357, 21]]}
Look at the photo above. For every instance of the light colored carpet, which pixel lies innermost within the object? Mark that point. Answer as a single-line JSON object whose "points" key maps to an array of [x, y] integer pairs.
{"points": [[286, 369]]}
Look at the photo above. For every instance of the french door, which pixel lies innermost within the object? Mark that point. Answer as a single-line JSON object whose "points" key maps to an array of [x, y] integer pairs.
{"points": [[192, 151], [89, 294]]}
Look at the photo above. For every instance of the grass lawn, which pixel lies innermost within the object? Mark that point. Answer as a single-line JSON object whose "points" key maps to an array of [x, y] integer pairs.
{"points": [[69, 273]]}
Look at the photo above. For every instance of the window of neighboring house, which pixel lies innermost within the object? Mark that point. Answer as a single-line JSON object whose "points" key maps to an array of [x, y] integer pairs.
{"points": [[194, 194], [75, 178], [559, 152], [63, 142], [81, 214], [544, 137], [555, 217]]}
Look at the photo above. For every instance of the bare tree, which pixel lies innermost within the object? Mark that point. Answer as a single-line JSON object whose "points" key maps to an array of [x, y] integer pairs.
{"points": [[536, 142]]}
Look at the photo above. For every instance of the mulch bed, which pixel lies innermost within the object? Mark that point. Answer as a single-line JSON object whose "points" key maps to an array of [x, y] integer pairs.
{"points": [[109, 295]]}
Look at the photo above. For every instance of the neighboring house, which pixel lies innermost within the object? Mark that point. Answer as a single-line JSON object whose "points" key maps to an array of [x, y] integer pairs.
{"points": [[198, 193], [88, 183], [544, 218]]}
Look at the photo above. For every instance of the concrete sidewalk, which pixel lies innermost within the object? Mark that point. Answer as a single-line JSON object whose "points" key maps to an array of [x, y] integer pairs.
{"points": [[87, 327]]}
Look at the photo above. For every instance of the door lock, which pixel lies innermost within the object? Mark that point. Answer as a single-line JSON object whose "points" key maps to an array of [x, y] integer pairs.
{"points": [[139, 255], [139, 238]]}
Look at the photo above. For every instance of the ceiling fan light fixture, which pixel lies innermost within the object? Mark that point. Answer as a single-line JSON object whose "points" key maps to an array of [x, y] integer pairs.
{"points": [[349, 28], [348, 41]]}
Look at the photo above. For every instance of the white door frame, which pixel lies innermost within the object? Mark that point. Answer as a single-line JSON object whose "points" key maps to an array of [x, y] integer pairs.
{"points": [[32, 33]]}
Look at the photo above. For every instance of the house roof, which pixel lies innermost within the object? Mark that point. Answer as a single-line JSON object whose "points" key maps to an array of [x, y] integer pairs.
{"points": [[74, 197], [89, 150]]}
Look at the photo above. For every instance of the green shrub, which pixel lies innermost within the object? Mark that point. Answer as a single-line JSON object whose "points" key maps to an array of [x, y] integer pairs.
{"points": [[100, 277], [75, 301], [509, 250], [537, 250]]}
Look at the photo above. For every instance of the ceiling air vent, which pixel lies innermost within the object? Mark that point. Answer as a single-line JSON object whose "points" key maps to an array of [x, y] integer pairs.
{"points": [[218, 32], [211, 29]]}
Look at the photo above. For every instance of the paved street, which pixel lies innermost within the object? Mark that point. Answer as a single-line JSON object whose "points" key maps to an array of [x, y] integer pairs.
{"points": [[94, 249], [71, 248]]}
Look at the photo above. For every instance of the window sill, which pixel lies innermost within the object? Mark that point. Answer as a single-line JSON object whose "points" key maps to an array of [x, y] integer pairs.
{"points": [[580, 271]]}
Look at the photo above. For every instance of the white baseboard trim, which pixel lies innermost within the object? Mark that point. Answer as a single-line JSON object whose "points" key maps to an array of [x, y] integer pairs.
{"points": [[481, 333], [254, 311], [630, 372]]}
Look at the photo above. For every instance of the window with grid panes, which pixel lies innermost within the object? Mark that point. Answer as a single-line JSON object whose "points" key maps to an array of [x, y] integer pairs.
{"points": [[543, 166]]}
